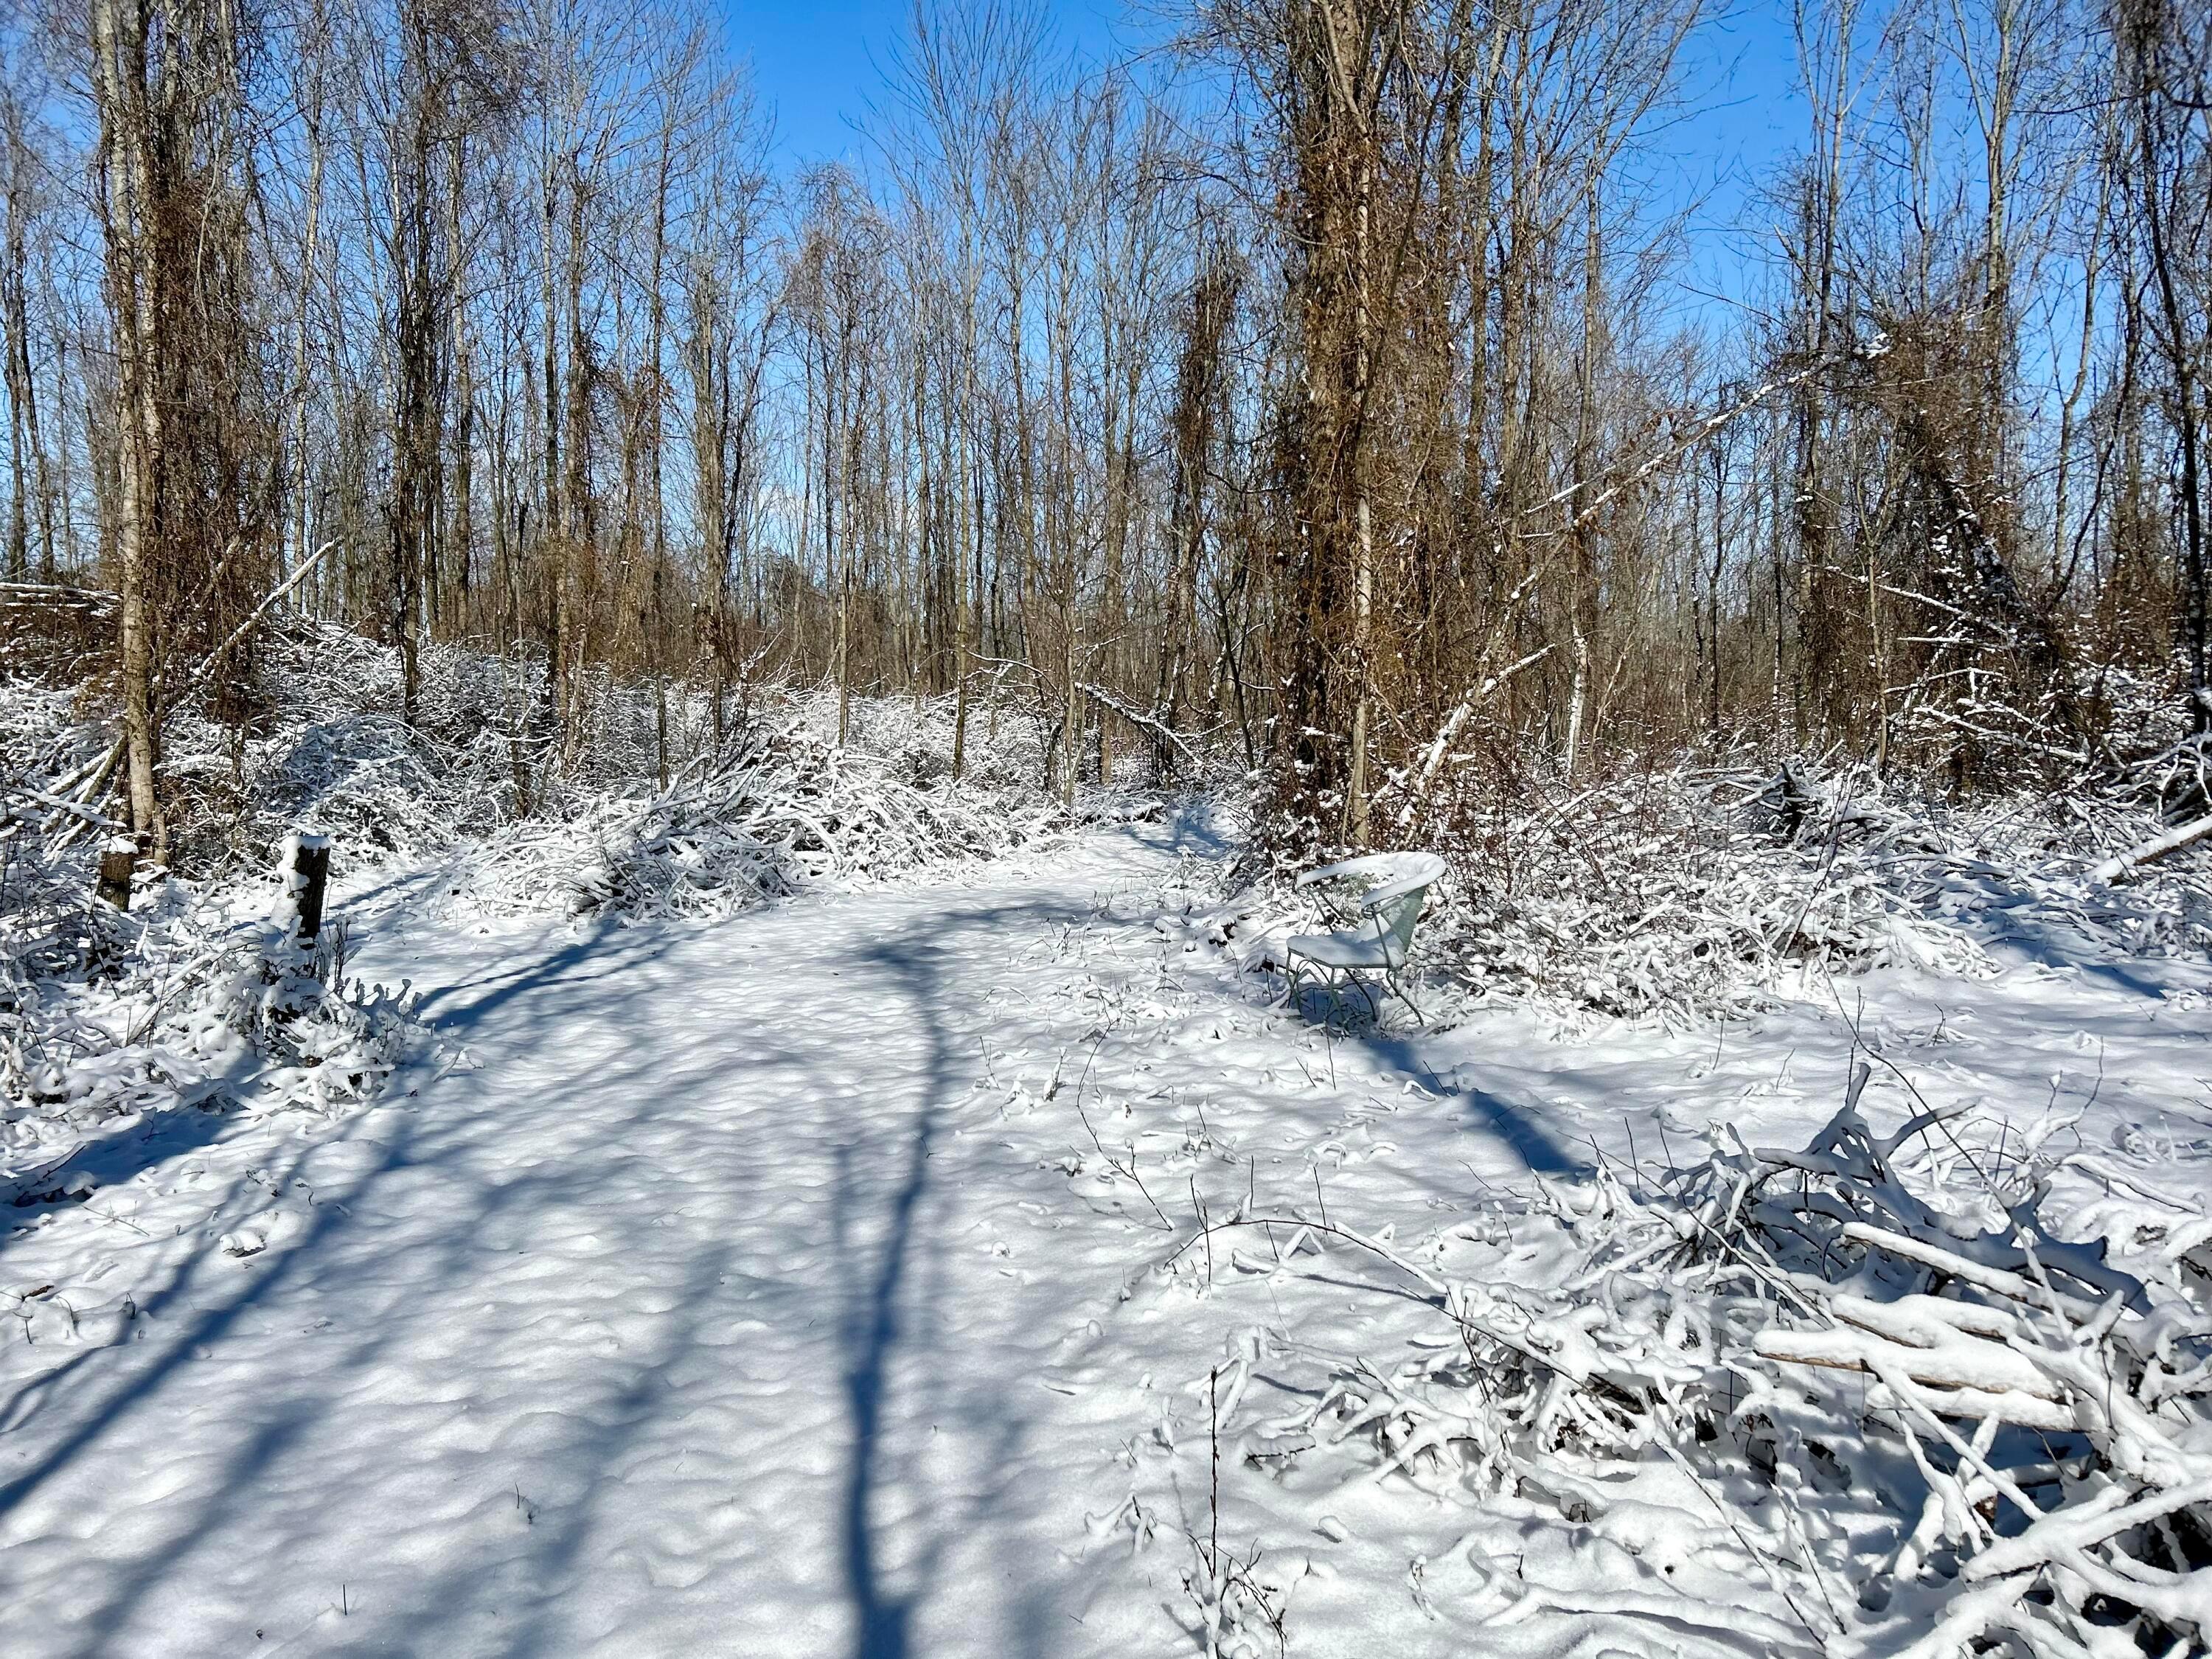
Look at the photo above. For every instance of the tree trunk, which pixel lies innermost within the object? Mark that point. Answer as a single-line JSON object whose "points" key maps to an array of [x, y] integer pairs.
{"points": [[119, 79]]}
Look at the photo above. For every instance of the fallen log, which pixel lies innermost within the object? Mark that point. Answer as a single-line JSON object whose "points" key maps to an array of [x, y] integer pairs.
{"points": [[2152, 850]]}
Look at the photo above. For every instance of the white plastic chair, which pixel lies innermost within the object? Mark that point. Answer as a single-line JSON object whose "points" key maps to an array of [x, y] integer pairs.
{"points": [[1383, 940]]}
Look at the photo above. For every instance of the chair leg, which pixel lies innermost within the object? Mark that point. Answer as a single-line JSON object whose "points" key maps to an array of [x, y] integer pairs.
{"points": [[1301, 974], [1337, 1018], [1399, 991], [1374, 1007]]}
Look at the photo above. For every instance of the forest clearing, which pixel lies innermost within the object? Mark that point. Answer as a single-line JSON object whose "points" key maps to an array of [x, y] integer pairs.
{"points": [[1285, 827]]}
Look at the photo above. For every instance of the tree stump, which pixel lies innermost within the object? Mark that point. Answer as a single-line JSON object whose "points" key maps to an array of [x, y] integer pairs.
{"points": [[117, 858]]}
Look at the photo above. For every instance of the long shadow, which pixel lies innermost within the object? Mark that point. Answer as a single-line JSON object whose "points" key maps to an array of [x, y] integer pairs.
{"points": [[188, 1287], [145, 1381], [1184, 830], [556, 1561], [103, 1627], [2047, 937], [872, 1329], [450, 1007], [2041, 942], [111, 1156], [454, 1257], [206, 1295], [1539, 1148], [397, 887]]}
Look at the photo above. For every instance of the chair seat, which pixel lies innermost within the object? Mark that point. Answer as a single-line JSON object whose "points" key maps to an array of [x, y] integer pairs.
{"points": [[1347, 950]]}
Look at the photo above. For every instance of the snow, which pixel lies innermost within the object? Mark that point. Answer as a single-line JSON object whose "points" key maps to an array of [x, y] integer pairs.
{"points": [[830, 1278]]}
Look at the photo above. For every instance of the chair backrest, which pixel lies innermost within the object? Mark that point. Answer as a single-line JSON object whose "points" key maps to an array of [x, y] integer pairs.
{"points": [[1394, 915], [1395, 901], [1374, 866]]}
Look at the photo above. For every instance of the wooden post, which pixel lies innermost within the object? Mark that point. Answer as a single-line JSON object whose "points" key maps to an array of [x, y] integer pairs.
{"points": [[311, 873], [118, 858]]}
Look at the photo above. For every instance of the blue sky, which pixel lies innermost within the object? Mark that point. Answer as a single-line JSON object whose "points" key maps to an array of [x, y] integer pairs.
{"points": [[818, 68], [1744, 117]]}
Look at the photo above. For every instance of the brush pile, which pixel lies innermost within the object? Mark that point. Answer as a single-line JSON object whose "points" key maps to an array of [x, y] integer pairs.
{"points": [[329, 747], [1869, 1375], [318, 738]]}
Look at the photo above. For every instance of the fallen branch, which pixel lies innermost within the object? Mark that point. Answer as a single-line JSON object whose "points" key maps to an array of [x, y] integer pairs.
{"points": [[207, 664], [1450, 728], [1150, 722], [2151, 851], [98, 820]]}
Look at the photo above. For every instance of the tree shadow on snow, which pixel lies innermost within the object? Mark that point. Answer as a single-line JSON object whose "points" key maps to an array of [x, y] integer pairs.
{"points": [[206, 1295], [880, 1303], [112, 1155], [180, 1320], [1539, 1146], [254, 1451]]}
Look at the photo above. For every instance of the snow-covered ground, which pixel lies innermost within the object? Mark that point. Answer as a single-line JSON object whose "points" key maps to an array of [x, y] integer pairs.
{"points": [[799, 1284]]}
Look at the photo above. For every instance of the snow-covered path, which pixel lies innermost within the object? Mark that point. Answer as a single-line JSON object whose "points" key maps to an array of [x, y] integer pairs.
{"points": [[760, 1289], [703, 1314]]}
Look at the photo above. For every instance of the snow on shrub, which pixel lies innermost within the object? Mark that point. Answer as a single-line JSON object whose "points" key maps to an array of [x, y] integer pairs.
{"points": [[326, 743], [775, 806], [109, 1021], [1681, 896]]}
